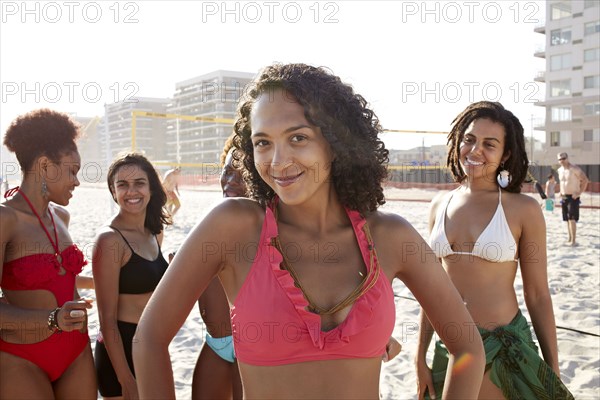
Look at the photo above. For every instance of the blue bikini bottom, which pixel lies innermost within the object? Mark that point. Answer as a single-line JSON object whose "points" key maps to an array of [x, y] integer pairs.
{"points": [[222, 346]]}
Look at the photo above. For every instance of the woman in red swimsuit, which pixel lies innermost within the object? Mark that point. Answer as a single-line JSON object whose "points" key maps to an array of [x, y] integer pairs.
{"points": [[307, 262], [44, 345]]}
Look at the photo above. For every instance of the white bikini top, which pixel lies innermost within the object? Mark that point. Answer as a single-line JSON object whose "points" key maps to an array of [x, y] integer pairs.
{"points": [[496, 243]]}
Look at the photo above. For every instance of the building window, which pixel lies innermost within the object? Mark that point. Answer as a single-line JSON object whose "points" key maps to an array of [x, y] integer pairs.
{"points": [[591, 55], [560, 61], [591, 3], [591, 28], [588, 135], [591, 109], [560, 88], [554, 139], [560, 114], [560, 36], [560, 10], [591, 82]]}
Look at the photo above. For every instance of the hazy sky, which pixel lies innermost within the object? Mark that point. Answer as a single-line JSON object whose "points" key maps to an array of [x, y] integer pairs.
{"points": [[418, 63]]}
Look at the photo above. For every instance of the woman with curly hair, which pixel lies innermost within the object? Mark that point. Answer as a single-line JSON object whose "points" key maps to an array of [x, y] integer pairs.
{"points": [[44, 344], [312, 306], [482, 231], [128, 265]]}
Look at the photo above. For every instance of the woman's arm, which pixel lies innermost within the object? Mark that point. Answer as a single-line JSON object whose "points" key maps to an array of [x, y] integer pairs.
{"points": [[107, 259], [532, 257], [424, 377], [426, 331], [420, 270], [84, 282], [203, 254]]}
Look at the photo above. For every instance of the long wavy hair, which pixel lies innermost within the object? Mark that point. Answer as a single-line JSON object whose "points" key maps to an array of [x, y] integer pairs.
{"points": [[349, 126], [156, 215], [514, 142]]}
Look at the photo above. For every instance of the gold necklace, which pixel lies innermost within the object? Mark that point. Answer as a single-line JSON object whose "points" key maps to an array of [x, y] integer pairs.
{"points": [[365, 285]]}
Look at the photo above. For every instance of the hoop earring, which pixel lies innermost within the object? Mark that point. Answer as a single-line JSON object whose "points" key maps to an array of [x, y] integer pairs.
{"points": [[503, 177], [44, 189]]}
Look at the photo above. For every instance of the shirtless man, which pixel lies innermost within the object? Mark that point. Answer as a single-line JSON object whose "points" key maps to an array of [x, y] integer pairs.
{"points": [[170, 183], [573, 182]]}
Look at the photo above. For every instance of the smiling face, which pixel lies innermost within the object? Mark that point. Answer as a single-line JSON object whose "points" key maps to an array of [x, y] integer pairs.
{"points": [[291, 154], [61, 178], [131, 188], [482, 148]]}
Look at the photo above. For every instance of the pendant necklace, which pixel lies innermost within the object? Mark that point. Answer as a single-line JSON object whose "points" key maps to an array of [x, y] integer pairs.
{"points": [[53, 243]]}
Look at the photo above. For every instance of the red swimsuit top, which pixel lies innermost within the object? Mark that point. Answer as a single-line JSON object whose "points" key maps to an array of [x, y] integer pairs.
{"points": [[272, 326], [42, 271]]}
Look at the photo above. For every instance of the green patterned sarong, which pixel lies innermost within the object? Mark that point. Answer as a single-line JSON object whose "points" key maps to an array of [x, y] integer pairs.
{"points": [[516, 367]]}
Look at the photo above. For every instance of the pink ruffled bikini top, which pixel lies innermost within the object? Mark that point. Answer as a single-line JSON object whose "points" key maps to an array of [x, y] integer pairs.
{"points": [[272, 325]]}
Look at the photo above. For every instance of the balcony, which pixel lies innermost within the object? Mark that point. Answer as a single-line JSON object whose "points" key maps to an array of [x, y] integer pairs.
{"points": [[540, 51], [540, 76], [539, 124], [540, 27]]}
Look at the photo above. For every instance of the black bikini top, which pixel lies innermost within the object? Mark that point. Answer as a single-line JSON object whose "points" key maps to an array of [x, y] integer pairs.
{"points": [[139, 275]]}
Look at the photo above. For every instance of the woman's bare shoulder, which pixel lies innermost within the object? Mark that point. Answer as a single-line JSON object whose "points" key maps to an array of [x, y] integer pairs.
{"points": [[389, 222], [9, 218], [235, 216], [61, 212], [238, 207], [107, 237], [525, 207], [520, 200]]}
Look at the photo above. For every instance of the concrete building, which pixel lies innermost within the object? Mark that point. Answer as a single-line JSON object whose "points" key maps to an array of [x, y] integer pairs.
{"points": [[213, 95], [423, 156], [90, 149], [115, 129], [572, 80]]}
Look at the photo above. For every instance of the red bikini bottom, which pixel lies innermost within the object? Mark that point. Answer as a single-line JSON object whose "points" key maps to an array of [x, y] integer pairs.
{"points": [[53, 355]]}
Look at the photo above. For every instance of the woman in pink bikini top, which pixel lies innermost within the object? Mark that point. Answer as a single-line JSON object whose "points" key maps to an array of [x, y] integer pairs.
{"points": [[308, 266], [44, 346]]}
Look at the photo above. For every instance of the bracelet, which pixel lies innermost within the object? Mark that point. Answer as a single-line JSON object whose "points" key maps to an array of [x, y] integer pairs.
{"points": [[53, 320]]}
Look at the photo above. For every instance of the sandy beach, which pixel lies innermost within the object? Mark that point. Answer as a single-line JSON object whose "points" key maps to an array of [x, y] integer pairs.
{"points": [[574, 280]]}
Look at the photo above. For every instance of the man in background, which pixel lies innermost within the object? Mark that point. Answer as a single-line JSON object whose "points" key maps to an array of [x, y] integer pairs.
{"points": [[171, 185], [573, 183]]}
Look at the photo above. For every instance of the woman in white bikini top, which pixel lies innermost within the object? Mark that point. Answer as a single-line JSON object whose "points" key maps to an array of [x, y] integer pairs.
{"points": [[482, 232]]}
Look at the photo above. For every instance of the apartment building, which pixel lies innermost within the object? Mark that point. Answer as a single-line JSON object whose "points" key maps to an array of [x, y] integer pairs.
{"points": [[90, 149], [572, 80], [212, 96], [423, 156], [116, 134]]}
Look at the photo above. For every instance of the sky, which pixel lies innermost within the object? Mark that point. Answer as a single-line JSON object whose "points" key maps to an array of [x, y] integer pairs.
{"points": [[417, 63]]}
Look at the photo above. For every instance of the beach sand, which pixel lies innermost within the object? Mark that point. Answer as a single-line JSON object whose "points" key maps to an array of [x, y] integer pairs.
{"points": [[573, 273]]}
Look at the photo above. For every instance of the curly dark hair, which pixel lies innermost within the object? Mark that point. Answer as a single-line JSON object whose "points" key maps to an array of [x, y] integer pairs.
{"points": [[226, 147], [514, 141], [39, 133], [348, 125], [156, 216]]}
